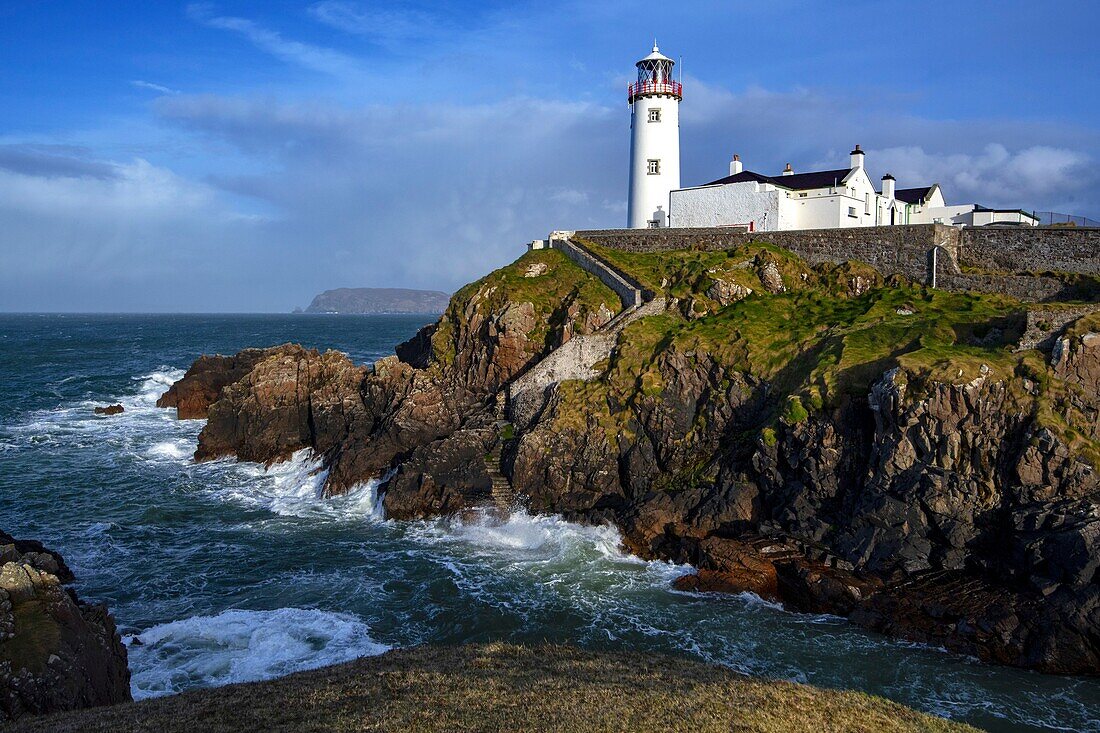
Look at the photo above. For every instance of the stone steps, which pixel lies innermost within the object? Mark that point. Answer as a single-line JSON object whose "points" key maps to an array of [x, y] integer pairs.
{"points": [[504, 496]]}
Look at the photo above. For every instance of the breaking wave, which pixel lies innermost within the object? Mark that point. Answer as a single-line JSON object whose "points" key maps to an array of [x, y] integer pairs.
{"points": [[243, 646], [294, 488]]}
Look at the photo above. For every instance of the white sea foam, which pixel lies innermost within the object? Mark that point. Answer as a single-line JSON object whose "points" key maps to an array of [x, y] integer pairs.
{"points": [[517, 531], [294, 488], [536, 534], [155, 384], [171, 450], [242, 646]]}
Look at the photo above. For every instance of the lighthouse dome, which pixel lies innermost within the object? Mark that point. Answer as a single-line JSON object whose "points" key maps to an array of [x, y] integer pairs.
{"points": [[656, 55]]}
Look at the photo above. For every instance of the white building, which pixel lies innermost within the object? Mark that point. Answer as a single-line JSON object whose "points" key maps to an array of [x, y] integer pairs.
{"points": [[654, 141], [844, 197]]}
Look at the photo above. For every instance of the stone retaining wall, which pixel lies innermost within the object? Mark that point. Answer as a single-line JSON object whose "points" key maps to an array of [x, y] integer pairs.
{"points": [[1045, 325], [628, 292], [1031, 249], [1011, 261], [902, 250]]}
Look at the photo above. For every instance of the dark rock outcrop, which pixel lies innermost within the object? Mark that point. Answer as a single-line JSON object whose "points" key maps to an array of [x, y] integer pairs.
{"points": [[208, 376], [110, 410], [56, 652]]}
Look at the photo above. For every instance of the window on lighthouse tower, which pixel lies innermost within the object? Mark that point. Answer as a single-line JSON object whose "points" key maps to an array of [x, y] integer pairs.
{"points": [[653, 167], [655, 114]]}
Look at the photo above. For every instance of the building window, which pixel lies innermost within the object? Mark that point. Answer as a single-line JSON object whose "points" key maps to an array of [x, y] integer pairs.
{"points": [[852, 211], [866, 203], [654, 223], [653, 167], [655, 114]]}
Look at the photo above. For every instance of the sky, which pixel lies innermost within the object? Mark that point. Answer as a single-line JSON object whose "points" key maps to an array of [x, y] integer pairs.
{"points": [[245, 156]]}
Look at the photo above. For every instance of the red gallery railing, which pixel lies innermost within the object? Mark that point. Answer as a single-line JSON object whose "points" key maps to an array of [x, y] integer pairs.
{"points": [[641, 88]]}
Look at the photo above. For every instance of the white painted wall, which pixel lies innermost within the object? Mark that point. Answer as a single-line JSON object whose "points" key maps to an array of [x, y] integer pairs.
{"points": [[728, 205], [653, 141], [981, 218]]}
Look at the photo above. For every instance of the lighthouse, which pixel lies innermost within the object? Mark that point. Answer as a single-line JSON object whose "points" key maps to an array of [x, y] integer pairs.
{"points": [[654, 141]]}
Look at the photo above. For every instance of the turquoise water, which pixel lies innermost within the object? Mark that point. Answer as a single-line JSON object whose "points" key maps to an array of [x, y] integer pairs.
{"points": [[228, 572]]}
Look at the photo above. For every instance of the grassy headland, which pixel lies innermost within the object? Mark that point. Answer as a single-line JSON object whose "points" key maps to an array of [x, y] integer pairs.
{"points": [[825, 334], [494, 687]]}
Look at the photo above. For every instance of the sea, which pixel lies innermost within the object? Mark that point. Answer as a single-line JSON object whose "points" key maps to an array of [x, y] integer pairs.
{"points": [[225, 571]]}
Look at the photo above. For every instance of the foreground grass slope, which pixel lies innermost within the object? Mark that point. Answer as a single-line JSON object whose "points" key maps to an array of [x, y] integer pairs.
{"points": [[505, 687]]}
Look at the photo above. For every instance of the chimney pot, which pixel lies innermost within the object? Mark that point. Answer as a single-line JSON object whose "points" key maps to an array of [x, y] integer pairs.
{"points": [[735, 165], [788, 171], [888, 187], [857, 157]]}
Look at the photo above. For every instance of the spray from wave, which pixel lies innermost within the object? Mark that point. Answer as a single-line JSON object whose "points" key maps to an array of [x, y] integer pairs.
{"points": [[293, 488], [243, 646]]}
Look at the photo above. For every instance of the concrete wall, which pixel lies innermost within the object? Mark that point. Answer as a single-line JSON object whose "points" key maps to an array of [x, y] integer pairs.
{"points": [[903, 250], [1031, 249]]}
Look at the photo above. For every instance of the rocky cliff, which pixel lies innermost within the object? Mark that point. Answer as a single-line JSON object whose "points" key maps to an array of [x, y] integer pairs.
{"points": [[56, 652], [820, 435]]}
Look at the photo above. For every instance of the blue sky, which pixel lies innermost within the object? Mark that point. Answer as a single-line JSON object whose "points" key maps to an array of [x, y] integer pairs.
{"points": [[242, 156]]}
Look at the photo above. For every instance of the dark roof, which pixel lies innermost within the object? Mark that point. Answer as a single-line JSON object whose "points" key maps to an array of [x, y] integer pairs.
{"points": [[1028, 214], [913, 195], [795, 182]]}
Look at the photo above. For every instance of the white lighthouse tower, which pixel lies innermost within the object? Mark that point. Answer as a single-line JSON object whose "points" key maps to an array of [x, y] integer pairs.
{"points": [[654, 141]]}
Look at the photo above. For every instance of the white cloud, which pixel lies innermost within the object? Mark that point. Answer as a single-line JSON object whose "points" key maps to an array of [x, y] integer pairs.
{"points": [[388, 26], [1033, 177], [142, 238], [139, 84], [316, 58], [425, 195]]}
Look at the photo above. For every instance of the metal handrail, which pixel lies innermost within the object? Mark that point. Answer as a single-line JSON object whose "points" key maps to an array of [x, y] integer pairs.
{"points": [[639, 88]]}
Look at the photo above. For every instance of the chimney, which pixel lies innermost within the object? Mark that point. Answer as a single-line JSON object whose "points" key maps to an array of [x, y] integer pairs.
{"points": [[888, 187], [735, 165], [857, 158], [788, 171]]}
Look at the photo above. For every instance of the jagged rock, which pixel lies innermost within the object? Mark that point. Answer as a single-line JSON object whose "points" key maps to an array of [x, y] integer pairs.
{"points": [[203, 383], [536, 269], [417, 351], [1077, 360], [725, 292], [730, 566], [769, 275], [109, 410], [56, 652], [443, 477], [291, 399]]}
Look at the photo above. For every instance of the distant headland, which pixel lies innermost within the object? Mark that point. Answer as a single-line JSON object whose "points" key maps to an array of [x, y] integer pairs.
{"points": [[378, 300]]}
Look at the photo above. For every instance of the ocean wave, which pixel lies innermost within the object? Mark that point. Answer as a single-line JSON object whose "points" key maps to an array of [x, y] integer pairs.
{"points": [[172, 450], [156, 383], [243, 646], [521, 535], [294, 488]]}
